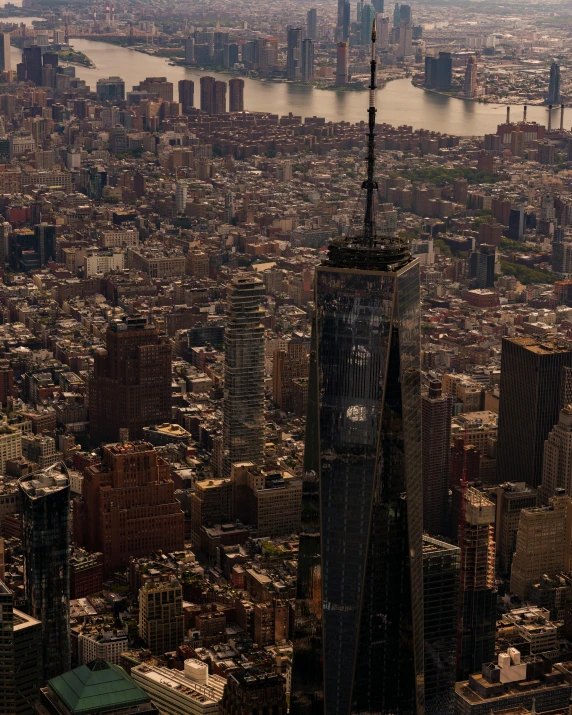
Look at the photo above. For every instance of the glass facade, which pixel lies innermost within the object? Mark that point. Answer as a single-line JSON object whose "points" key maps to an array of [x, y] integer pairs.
{"points": [[46, 532], [369, 473], [441, 565]]}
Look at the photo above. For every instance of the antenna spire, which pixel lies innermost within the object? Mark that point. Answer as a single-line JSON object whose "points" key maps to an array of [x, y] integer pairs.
{"points": [[370, 185]]}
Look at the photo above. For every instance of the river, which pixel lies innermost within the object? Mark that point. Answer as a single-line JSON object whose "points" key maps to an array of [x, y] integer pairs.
{"points": [[399, 102]]}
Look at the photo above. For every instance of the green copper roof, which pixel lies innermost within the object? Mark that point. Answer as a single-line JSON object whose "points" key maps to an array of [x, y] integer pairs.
{"points": [[97, 687]]}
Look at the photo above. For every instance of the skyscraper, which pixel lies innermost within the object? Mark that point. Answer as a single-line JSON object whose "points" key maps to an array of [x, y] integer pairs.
{"points": [[46, 542], [405, 14], [557, 460], [347, 21], [341, 9], [180, 197], [530, 388], [471, 78], [236, 98], [20, 657], [161, 620], [436, 449], [243, 423], [130, 387], [294, 54], [32, 60], [482, 266], [479, 605], [554, 84], [187, 94], [110, 89], [342, 64], [189, 51], [219, 98], [207, 94], [383, 32], [367, 20], [128, 506], [307, 60], [441, 564], [405, 40], [368, 444], [5, 61], [312, 24]]}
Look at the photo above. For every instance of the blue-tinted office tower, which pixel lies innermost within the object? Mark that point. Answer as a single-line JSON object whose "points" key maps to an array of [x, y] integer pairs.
{"points": [[554, 84], [358, 640], [347, 21]]}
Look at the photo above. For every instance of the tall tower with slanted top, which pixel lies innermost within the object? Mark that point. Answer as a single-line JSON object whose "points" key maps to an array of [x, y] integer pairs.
{"points": [[358, 640]]}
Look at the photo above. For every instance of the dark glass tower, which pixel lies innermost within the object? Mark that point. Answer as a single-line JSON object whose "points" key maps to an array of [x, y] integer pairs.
{"points": [[441, 565], [365, 397], [532, 381], [46, 540]]}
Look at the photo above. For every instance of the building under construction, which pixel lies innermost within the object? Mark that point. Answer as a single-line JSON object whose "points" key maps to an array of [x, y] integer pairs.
{"points": [[478, 596]]}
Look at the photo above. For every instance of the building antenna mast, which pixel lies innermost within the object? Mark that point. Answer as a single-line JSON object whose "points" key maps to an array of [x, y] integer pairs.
{"points": [[370, 185]]}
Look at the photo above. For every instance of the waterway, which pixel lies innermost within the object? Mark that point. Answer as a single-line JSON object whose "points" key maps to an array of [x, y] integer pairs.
{"points": [[399, 102]]}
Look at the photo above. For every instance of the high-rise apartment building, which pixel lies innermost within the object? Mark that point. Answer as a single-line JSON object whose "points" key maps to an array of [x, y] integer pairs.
{"points": [[130, 387], [383, 32], [159, 86], [213, 96], [180, 197], [288, 365], [554, 84], [207, 94], [470, 85], [294, 54], [243, 423], [530, 390], [5, 61], [189, 52], [482, 266], [161, 620], [342, 64], [219, 98], [510, 499], [441, 564], [312, 24], [21, 671], [368, 392], [128, 506], [436, 450], [542, 544], [307, 60], [110, 89], [405, 41], [46, 543], [187, 94], [557, 461], [236, 95], [477, 583]]}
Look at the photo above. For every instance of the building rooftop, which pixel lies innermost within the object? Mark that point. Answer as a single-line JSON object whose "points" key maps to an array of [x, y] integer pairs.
{"points": [[540, 346], [193, 684], [97, 687], [42, 484]]}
